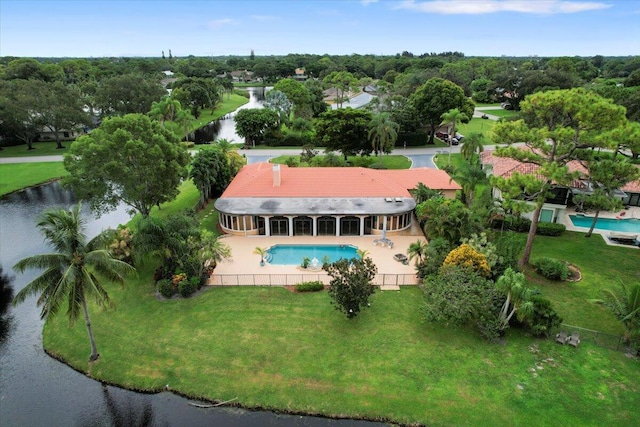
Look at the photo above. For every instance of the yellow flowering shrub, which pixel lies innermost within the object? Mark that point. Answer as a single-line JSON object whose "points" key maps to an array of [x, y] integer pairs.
{"points": [[465, 256]]}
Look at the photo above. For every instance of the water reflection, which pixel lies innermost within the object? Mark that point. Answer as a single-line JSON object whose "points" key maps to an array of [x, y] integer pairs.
{"points": [[6, 295], [225, 127]]}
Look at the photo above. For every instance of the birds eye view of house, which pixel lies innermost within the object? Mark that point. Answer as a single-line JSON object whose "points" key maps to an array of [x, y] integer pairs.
{"points": [[276, 200]]}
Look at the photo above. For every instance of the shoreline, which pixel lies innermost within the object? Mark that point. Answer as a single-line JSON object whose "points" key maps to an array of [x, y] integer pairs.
{"points": [[228, 404]]}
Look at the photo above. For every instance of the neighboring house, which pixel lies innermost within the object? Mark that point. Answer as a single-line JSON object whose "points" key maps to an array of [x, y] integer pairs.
{"points": [[276, 200], [45, 134], [556, 205], [241, 76], [300, 75]]}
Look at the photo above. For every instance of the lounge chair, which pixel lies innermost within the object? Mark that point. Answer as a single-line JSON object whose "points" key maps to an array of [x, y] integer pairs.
{"points": [[621, 215], [561, 338], [626, 238], [400, 257], [574, 339]]}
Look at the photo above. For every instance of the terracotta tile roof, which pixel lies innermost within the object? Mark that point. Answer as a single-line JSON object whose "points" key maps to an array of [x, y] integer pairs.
{"points": [[257, 180], [633, 186], [506, 167]]}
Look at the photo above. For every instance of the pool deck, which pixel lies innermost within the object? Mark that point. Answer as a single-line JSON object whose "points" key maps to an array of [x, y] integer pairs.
{"points": [[632, 212], [245, 262]]}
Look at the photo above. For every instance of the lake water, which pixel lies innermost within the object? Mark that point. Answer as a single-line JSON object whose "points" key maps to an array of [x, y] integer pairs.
{"points": [[36, 390], [225, 128]]}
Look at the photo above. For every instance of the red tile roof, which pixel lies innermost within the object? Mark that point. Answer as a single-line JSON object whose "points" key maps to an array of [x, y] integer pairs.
{"points": [[506, 166], [256, 180]]}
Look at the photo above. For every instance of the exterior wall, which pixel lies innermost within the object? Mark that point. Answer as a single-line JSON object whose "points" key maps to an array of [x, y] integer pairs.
{"points": [[248, 225], [449, 194]]}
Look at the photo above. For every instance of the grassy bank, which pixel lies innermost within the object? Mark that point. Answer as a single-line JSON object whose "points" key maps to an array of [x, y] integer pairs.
{"points": [[16, 176], [271, 348]]}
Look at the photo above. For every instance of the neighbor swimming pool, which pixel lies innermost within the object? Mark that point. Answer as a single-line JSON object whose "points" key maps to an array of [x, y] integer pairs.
{"points": [[630, 225], [294, 254]]}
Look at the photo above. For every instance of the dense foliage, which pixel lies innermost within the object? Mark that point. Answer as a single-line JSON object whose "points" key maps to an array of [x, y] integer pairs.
{"points": [[351, 286]]}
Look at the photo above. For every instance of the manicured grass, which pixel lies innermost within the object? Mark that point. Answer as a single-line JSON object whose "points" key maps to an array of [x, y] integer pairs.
{"points": [[602, 267], [16, 176], [45, 148], [251, 84], [270, 348], [503, 113], [228, 104], [389, 161], [477, 125]]}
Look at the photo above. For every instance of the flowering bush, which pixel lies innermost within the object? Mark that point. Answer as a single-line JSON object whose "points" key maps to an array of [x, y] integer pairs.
{"points": [[465, 256]]}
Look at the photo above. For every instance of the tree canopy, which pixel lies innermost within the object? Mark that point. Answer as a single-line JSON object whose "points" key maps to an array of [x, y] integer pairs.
{"points": [[345, 130], [131, 160]]}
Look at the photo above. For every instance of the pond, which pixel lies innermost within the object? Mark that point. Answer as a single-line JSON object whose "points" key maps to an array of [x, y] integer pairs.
{"points": [[225, 127], [36, 390]]}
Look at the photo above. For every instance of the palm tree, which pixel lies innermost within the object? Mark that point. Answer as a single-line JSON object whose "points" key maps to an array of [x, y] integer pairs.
{"points": [[73, 272], [262, 252], [625, 305], [362, 253], [472, 145], [383, 133], [417, 250], [422, 193], [469, 177], [453, 117], [513, 285]]}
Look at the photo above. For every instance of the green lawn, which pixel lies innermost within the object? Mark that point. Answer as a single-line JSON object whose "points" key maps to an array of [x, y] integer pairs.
{"points": [[476, 124], [16, 176], [602, 266], [270, 348], [389, 161], [45, 148], [503, 113]]}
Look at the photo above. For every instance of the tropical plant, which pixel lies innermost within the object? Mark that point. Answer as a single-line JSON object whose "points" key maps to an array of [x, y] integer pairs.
{"points": [[73, 273], [417, 250], [362, 253], [383, 133], [472, 145], [513, 285], [624, 303], [469, 176], [260, 251], [422, 193]]}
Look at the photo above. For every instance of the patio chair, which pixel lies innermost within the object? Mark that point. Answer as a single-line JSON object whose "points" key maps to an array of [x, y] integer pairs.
{"points": [[574, 339], [561, 338]]}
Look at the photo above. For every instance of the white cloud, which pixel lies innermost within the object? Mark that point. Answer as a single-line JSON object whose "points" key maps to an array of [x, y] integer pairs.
{"points": [[368, 2], [472, 7], [219, 22]]}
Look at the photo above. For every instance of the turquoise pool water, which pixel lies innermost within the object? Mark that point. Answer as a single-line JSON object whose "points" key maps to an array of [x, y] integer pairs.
{"points": [[293, 254], [630, 225]]}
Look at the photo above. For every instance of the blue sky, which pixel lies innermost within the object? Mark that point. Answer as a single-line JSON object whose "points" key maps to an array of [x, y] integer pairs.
{"points": [[91, 28]]}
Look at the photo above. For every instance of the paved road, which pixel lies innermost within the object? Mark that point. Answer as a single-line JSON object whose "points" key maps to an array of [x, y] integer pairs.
{"points": [[33, 159]]}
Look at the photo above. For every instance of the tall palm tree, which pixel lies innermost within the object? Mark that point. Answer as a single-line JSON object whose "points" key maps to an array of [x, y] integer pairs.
{"points": [[73, 272], [453, 117], [383, 133], [513, 285], [472, 145]]}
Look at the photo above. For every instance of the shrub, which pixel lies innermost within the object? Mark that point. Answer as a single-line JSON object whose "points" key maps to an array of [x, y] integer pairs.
{"points": [[544, 319], [550, 229], [314, 286], [292, 162], [188, 286], [512, 223], [413, 139], [467, 257], [437, 250], [552, 269], [293, 139], [166, 288], [305, 262]]}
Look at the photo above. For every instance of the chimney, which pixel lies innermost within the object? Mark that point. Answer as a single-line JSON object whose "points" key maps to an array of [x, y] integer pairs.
{"points": [[276, 175]]}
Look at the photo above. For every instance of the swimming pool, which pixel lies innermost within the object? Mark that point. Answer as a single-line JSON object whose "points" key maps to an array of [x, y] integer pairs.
{"points": [[294, 254], [630, 225]]}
